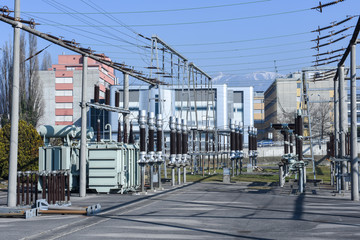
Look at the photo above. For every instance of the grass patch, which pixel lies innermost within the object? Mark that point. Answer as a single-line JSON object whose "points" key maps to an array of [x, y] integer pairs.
{"points": [[267, 175], [322, 172]]}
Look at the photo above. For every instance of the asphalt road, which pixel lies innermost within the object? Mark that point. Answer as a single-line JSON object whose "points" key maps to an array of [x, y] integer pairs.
{"points": [[201, 211]]}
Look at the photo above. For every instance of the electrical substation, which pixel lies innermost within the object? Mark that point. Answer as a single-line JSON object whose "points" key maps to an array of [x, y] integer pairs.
{"points": [[181, 126]]}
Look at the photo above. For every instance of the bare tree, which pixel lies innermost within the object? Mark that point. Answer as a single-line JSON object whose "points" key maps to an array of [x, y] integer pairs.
{"points": [[284, 117], [35, 99], [46, 61], [6, 63], [31, 103], [23, 78], [320, 113]]}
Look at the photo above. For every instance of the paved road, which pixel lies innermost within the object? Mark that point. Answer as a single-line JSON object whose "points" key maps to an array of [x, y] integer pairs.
{"points": [[201, 211]]}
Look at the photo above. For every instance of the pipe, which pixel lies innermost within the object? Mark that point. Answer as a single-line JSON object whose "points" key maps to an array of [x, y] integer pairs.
{"points": [[57, 131]]}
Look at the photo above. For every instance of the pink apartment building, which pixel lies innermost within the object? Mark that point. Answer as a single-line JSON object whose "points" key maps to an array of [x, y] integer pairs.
{"points": [[62, 88]]}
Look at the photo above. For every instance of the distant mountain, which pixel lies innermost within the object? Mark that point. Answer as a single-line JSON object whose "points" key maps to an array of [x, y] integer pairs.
{"points": [[259, 80]]}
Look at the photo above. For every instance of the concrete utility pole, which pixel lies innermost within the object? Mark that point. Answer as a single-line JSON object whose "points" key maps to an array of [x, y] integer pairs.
{"points": [[126, 106], [343, 123], [353, 149], [336, 118], [11, 201], [83, 128]]}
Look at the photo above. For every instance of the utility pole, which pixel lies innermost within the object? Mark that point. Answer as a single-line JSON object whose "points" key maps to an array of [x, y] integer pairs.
{"points": [[336, 118], [343, 123], [82, 191], [353, 153], [11, 201], [126, 106]]}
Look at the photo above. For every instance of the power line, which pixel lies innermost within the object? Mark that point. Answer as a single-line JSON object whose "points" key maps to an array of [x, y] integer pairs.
{"points": [[65, 8], [247, 63], [154, 11], [89, 37], [252, 55], [245, 40], [257, 68], [199, 22], [95, 6], [224, 50]]}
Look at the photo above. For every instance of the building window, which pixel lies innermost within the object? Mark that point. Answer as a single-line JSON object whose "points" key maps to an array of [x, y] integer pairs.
{"points": [[70, 68], [101, 81], [63, 93], [64, 80], [102, 94], [107, 73], [63, 118], [64, 105], [258, 110]]}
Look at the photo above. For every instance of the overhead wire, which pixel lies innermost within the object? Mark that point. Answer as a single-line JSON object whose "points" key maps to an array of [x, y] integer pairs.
{"points": [[95, 6], [257, 68], [72, 30], [244, 40], [204, 22], [81, 18], [247, 63], [160, 10], [252, 55], [218, 43], [223, 50]]}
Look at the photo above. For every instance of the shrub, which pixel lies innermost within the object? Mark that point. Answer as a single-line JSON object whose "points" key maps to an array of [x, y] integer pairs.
{"points": [[28, 148]]}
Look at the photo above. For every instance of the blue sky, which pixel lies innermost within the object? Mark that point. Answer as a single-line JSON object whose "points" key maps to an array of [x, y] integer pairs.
{"points": [[242, 37]]}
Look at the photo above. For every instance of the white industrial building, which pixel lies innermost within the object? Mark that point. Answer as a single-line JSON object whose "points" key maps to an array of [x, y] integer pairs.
{"points": [[229, 103]]}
